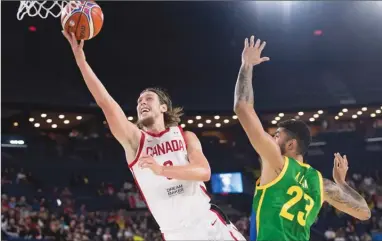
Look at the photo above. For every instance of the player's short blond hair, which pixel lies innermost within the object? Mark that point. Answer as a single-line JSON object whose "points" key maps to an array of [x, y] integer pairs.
{"points": [[173, 114]]}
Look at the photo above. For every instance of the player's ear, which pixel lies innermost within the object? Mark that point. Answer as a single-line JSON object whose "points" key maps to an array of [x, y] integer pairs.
{"points": [[163, 108], [290, 144]]}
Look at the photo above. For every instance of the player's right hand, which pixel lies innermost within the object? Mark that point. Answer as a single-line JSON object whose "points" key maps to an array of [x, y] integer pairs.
{"points": [[78, 49], [340, 168], [252, 52]]}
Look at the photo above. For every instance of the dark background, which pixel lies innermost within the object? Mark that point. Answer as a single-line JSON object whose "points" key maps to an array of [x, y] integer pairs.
{"points": [[193, 49]]}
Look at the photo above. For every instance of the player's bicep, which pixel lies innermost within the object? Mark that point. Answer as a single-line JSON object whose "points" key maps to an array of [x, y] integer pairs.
{"points": [[122, 129], [194, 150], [263, 143]]}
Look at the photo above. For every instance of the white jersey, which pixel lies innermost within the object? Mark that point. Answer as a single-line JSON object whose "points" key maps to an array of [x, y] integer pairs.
{"points": [[175, 204]]}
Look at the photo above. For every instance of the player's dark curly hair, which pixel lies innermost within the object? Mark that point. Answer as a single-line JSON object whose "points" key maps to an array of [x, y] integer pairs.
{"points": [[297, 129], [173, 114]]}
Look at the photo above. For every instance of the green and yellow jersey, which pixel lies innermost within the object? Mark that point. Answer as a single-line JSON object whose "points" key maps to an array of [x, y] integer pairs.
{"points": [[286, 207]]}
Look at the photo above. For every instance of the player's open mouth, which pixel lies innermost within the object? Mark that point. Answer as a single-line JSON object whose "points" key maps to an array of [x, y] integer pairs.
{"points": [[145, 110]]}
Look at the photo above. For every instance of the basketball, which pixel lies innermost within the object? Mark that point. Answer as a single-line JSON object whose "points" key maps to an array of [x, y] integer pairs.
{"points": [[84, 20]]}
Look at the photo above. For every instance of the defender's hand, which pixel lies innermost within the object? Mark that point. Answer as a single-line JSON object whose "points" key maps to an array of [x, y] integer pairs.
{"points": [[340, 168], [252, 52], [76, 48], [149, 162]]}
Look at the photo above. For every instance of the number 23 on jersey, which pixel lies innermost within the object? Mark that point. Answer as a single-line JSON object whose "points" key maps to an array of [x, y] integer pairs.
{"points": [[297, 196]]}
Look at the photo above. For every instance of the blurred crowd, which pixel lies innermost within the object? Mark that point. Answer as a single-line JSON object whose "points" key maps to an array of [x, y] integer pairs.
{"points": [[61, 217]]}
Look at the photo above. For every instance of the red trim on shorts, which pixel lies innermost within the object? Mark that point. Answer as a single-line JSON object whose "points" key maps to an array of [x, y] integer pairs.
{"points": [[205, 191], [184, 138], [233, 236], [219, 216], [141, 143], [163, 237], [158, 134]]}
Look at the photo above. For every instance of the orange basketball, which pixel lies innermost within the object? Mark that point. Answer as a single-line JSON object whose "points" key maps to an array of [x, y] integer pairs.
{"points": [[83, 18]]}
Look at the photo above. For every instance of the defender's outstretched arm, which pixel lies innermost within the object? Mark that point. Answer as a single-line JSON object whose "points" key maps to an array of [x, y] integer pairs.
{"points": [[243, 106]]}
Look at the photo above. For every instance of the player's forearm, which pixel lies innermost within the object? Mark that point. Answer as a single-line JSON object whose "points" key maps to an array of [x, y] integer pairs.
{"points": [[96, 88], [346, 199], [243, 88], [187, 172]]}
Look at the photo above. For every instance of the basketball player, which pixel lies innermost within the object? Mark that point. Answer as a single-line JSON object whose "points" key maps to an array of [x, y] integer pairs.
{"points": [[167, 164], [290, 193]]}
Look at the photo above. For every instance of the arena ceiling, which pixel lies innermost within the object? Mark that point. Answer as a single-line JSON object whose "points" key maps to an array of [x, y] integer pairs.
{"points": [[322, 54]]}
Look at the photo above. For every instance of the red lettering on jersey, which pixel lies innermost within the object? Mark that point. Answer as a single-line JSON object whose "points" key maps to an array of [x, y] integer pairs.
{"points": [[165, 147], [161, 149], [149, 151], [181, 147], [168, 147], [175, 145]]}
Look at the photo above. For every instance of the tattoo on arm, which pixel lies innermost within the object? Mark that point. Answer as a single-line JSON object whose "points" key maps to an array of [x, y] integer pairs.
{"points": [[345, 195], [243, 88]]}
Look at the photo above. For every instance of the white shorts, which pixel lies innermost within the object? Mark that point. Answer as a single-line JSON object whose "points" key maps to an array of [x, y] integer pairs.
{"points": [[211, 228]]}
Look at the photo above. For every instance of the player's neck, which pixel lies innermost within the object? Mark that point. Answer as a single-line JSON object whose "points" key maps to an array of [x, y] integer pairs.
{"points": [[155, 128], [298, 158]]}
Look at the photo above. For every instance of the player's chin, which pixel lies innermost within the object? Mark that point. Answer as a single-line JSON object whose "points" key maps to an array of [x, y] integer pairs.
{"points": [[146, 119]]}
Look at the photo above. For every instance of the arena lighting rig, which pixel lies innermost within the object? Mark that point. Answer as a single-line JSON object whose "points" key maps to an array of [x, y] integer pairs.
{"points": [[68, 120]]}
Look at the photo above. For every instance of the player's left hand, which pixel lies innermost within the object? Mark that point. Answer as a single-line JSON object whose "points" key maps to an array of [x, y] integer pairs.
{"points": [[340, 168], [252, 52], [149, 162]]}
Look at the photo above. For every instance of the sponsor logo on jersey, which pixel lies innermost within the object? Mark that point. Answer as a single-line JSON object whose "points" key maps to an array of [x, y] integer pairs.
{"points": [[175, 190]]}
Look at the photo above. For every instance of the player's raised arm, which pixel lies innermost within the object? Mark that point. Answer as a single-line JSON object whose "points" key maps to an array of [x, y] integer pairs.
{"points": [[124, 131], [341, 195], [243, 105]]}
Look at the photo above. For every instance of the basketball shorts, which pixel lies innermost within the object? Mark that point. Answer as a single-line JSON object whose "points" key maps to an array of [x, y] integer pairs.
{"points": [[213, 227]]}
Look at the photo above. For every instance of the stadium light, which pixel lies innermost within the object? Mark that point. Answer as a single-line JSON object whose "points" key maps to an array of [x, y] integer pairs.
{"points": [[311, 119], [31, 119], [277, 118], [183, 125], [281, 114], [359, 112], [130, 118], [54, 126], [61, 116], [226, 121], [320, 112], [300, 113], [217, 117], [340, 114], [344, 110], [36, 124], [235, 116], [200, 125], [218, 125], [49, 120], [373, 115], [208, 121], [354, 116], [43, 115], [66, 122], [190, 121], [15, 124], [274, 122], [315, 115], [364, 109], [79, 117], [336, 117], [198, 117]]}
